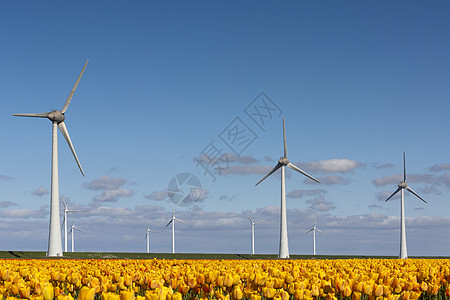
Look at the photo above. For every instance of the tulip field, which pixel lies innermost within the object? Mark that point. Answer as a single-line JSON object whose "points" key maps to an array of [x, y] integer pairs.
{"points": [[119, 279]]}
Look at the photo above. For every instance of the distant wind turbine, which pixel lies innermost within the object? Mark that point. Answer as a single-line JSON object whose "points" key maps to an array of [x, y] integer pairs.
{"points": [[314, 229], [172, 220], [284, 162], [147, 237], [72, 230], [66, 212], [253, 232], [401, 187], [57, 117]]}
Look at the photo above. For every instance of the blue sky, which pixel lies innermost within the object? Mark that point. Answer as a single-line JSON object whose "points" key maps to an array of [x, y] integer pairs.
{"points": [[358, 84]]}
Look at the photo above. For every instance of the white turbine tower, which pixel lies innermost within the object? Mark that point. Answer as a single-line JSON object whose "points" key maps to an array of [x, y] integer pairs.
{"points": [[172, 220], [401, 187], [314, 229], [57, 117], [66, 212], [284, 162], [253, 232], [147, 237], [72, 230]]}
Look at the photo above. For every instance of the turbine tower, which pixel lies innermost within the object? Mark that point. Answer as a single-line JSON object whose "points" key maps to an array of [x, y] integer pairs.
{"points": [[66, 212], [147, 237], [172, 220], [401, 187], [253, 233], [72, 230], [284, 162], [57, 117], [314, 229]]}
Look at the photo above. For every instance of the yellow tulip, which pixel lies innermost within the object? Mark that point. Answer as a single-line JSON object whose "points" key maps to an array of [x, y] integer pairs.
{"points": [[86, 293], [228, 280], [237, 293], [405, 295], [298, 294], [24, 292], [126, 295], [4, 274], [347, 291], [314, 290], [356, 296], [378, 290], [48, 293], [14, 289], [367, 289]]}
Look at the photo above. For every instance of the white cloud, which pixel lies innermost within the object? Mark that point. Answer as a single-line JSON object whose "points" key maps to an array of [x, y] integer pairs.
{"points": [[40, 191], [329, 180], [229, 232], [105, 183], [440, 168], [25, 213], [262, 170], [113, 195], [335, 165], [6, 204], [382, 166], [112, 189], [158, 195], [6, 178], [303, 193], [394, 179], [320, 204]]}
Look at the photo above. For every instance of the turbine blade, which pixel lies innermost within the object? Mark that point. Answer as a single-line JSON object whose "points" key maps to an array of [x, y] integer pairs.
{"points": [[154, 230], [309, 231], [415, 194], [404, 167], [78, 229], [171, 220], [396, 191], [64, 219], [284, 139], [295, 168], [62, 127], [74, 210], [69, 232], [270, 173], [176, 219], [41, 115], [66, 105], [64, 203], [259, 222], [319, 231], [249, 218]]}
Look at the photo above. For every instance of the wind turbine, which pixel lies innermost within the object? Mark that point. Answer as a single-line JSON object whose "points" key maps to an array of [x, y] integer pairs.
{"points": [[314, 229], [284, 162], [57, 117], [72, 230], [147, 237], [253, 232], [66, 212], [401, 187], [172, 220]]}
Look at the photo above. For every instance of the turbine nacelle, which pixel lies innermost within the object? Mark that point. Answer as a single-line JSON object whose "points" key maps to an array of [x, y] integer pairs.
{"points": [[283, 161], [56, 116], [402, 185]]}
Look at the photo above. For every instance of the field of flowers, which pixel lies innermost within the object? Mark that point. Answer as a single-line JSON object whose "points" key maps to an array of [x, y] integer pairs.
{"points": [[355, 279]]}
